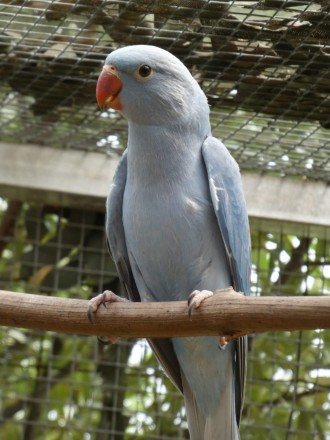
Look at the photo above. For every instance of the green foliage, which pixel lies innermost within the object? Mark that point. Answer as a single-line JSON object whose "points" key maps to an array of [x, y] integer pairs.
{"points": [[160, 410], [289, 373]]}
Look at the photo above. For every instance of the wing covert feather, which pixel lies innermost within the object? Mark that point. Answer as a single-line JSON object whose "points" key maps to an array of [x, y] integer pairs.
{"points": [[230, 209]]}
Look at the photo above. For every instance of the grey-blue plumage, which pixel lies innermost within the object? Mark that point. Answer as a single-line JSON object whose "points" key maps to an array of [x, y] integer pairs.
{"points": [[177, 222]]}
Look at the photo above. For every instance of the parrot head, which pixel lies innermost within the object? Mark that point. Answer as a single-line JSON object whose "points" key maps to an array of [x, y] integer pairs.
{"points": [[149, 85]]}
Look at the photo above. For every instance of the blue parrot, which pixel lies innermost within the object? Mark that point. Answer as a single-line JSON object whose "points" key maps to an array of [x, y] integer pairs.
{"points": [[176, 223]]}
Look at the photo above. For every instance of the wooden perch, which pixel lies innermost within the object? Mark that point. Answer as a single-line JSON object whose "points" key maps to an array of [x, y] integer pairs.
{"points": [[226, 313]]}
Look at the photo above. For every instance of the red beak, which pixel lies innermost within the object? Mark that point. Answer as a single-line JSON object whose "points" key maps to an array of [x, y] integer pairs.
{"points": [[108, 87]]}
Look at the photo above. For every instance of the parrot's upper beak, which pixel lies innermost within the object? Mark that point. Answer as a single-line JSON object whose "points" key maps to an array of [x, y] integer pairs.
{"points": [[108, 87]]}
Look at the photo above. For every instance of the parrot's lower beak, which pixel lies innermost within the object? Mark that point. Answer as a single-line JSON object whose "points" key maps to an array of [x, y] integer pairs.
{"points": [[108, 87]]}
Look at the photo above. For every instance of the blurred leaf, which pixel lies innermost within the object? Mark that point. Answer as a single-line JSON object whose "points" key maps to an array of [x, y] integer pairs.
{"points": [[52, 223], [67, 259], [37, 279]]}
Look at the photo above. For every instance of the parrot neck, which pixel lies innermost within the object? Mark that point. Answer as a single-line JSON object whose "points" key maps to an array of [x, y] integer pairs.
{"points": [[155, 153]]}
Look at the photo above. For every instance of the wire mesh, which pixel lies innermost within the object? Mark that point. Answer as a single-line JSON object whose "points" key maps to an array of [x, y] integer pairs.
{"points": [[263, 65], [58, 386]]}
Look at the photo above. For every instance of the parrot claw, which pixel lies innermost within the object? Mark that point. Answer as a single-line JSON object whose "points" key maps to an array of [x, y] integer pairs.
{"points": [[105, 340], [223, 342], [196, 298], [102, 299]]}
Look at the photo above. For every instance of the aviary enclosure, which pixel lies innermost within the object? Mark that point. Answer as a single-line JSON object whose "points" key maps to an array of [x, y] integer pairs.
{"points": [[265, 69]]}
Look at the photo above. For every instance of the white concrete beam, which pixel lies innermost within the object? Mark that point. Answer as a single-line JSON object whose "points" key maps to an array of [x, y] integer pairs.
{"points": [[293, 204], [55, 176], [82, 179]]}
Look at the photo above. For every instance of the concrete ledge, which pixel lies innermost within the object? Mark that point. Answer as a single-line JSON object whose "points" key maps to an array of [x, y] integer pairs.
{"points": [[82, 179], [291, 204], [53, 176]]}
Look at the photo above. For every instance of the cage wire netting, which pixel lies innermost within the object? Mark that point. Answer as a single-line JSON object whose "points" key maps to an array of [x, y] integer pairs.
{"points": [[264, 66], [57, 386]]}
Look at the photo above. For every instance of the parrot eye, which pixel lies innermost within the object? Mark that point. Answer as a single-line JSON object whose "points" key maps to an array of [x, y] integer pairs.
{"points": [[144, 71]]}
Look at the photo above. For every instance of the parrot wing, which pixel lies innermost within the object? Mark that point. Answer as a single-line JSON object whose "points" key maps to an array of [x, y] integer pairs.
{"points": [[229, 205], [162, 348]]}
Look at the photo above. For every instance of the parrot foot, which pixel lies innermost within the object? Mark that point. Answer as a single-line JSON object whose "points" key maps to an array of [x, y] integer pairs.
{"points": [[194, 301], [102, 299], [196, 298]]}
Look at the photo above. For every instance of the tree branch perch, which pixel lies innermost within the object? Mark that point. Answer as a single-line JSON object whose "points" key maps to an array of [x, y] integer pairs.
{"points": [[226, 313]]}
